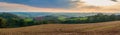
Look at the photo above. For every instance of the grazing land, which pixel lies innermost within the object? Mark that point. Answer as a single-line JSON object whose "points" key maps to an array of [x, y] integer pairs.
{"points": [[103, 28]]}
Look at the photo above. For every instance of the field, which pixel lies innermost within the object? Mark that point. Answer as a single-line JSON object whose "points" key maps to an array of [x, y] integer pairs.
{"points": [[103, 28]]}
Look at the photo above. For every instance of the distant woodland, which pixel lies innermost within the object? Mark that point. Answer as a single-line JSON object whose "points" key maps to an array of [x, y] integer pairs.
{"points": [[9, 20]]}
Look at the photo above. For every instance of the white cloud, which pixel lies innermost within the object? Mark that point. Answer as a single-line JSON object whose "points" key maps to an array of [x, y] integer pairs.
{"points": [[94, 8]]}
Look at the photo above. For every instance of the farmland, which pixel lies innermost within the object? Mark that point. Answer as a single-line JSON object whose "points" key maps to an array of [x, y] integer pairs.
{"points": [[102, 28]]}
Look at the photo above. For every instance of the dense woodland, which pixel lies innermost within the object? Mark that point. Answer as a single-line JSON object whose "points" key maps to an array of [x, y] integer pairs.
{"points": [[8, 20]]}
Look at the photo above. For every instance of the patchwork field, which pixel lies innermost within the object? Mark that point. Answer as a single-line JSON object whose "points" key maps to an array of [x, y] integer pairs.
{"points": [[103, 28]]}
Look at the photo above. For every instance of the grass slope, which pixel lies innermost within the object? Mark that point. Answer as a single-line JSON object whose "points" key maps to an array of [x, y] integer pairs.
{"points": [[104, 28]]}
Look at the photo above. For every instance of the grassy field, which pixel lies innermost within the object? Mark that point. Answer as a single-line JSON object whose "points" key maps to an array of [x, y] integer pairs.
{"points": [[103, 28]]}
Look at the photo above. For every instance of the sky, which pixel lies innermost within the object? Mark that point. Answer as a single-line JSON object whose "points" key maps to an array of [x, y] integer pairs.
{"points": [[72, 6]]}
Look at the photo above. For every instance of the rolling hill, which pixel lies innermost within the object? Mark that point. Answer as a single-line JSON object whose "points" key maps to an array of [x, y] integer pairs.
{"points": [[103, 28], [36, 14]]}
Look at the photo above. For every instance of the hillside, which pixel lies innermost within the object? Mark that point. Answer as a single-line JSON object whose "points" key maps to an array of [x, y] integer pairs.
{"points": [[104, 28]]}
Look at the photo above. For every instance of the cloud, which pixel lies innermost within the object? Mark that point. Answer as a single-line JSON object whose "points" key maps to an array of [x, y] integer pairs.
{"points": [[42, 3], [78, 7], [11, 7], [82, 6]]}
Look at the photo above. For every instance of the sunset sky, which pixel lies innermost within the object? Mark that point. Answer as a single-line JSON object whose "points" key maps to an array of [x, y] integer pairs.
{"points": [[72, 6]]}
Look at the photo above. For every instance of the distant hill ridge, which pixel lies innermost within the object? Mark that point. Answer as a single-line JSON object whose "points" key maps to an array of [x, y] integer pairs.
{"points": [[37, 14]]}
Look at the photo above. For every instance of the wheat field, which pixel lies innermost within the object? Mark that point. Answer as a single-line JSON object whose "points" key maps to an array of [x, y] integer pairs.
{"points": [[103, 28]]}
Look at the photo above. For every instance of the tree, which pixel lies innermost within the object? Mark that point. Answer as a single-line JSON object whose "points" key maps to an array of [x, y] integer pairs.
{"points": [[112, 17], [3, 22]]}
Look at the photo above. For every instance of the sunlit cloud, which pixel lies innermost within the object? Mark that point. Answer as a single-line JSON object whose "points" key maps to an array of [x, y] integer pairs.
{"points": [[94, 7]]}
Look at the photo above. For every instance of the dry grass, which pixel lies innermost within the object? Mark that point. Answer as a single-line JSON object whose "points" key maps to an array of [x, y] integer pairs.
{"points": [[104, 28]]}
